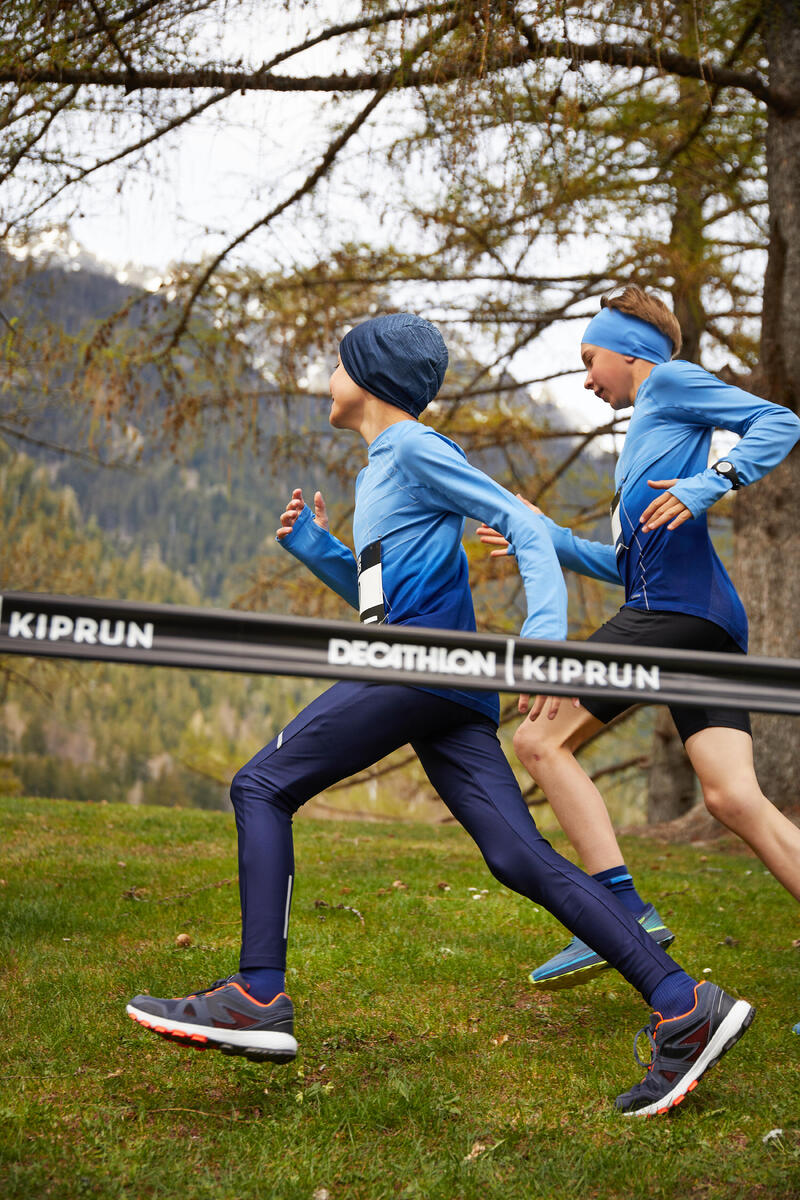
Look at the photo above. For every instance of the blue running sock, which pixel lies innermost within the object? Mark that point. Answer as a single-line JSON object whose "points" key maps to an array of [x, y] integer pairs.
{"points": [[674, 996], [265, 983], [620, 881]]}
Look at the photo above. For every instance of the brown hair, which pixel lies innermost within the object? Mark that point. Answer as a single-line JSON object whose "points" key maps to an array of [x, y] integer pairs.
{"points": [[637, 303]]}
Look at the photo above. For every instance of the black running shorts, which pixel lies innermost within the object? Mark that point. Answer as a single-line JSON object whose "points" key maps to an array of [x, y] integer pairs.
{"points": [[671, 630]]}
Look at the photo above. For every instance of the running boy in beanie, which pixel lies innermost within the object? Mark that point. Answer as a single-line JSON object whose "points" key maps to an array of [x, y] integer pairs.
{"points": [[411, 501]]}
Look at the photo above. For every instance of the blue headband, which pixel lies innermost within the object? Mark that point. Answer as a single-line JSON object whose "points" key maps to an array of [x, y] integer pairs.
{"points": [[399, 358], [615, 330]]}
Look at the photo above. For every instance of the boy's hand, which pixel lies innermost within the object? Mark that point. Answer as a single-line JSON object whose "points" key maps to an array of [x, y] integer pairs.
{"points": [[490, 537], [523, 704], [538, 706], [320, 512], [665, 507], [296, 506]]}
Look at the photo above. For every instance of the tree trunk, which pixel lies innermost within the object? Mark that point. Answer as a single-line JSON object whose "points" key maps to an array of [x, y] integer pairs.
{"points": [[672, 783], [767, 552]]}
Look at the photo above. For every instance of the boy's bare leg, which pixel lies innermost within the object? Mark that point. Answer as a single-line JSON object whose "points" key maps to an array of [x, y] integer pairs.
{"points": [[723, 760], [546, 748]]}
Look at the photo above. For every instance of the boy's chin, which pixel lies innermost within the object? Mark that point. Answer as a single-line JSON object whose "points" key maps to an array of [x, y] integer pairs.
{"points": [[338, 421]]}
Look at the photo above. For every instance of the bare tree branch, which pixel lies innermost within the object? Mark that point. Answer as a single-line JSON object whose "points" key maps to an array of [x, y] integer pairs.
{"points": [[704, 117], [25, 147], [311, 181], [101, 20], [42, 443], [85, 172], [627, 56]]}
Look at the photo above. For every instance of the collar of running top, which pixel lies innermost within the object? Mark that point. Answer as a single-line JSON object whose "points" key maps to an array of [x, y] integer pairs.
{"points": [[400, 358], [615, 330]]}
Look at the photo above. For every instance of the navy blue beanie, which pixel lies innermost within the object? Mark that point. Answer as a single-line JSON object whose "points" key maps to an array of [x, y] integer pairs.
{"points": [[399, 358]]}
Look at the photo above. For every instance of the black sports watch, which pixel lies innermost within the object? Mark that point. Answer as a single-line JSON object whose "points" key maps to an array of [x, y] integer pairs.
{"points": [[728, 471]]}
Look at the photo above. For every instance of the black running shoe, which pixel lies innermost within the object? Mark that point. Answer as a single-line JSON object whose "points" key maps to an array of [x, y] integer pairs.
{"points": [[223, 1017], [683, 1049]]}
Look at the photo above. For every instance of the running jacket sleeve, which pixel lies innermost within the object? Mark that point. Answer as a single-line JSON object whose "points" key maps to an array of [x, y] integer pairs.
{"points": [[453, 484], [324, 555], [597, 559], [768, 431]]}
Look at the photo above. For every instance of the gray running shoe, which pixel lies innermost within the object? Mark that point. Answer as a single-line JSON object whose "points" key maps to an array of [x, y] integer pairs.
{"points": [[578, 963], [684, 1048], [223, 1017]]}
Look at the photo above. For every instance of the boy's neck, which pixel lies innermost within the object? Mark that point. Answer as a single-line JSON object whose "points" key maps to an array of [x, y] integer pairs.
{"points": [[641, 371], [378, 416]]}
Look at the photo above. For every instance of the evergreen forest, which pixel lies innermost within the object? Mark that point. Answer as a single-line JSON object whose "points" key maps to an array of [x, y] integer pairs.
{"points": [[97, 504]]}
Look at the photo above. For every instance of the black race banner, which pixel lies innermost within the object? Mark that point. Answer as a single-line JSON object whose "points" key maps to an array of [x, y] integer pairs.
{"points": [[212, 639]]}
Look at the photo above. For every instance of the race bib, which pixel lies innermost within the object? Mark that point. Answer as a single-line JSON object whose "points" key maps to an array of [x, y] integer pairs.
{"points": [[370, 585]]}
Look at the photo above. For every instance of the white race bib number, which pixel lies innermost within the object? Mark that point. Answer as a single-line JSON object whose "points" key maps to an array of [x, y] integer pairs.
{"points": [[371, 609]]}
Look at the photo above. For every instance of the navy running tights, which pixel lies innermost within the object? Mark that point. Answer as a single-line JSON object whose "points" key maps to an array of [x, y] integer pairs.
{"points": [[353, 725]]}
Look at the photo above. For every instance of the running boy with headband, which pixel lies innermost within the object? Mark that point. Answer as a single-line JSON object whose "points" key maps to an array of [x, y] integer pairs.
{"points": [[677, 594], [411, 500]]}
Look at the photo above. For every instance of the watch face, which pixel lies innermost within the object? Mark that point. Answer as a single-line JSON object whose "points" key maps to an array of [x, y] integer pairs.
{"points": [[723, 465]]}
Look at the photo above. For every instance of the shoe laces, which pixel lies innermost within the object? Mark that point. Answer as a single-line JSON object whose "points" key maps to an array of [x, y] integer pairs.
{"points": [[212, 987], [573, 944], [653, 1048]]}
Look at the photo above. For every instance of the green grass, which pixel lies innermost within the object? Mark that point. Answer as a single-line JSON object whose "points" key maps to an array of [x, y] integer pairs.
{"points": [[428, 1065]]}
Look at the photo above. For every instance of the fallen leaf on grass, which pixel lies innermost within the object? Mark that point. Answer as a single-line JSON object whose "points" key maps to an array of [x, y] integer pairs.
{"points": [[479, 1148], [343, 907], [500, 1040], [134, 893]]}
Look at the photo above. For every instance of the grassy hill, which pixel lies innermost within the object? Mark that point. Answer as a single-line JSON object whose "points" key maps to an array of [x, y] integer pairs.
{"points": [[428, 1066]]}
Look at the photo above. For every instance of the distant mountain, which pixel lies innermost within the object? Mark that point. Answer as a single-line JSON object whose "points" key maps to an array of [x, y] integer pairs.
{"points": [[209, 510]]}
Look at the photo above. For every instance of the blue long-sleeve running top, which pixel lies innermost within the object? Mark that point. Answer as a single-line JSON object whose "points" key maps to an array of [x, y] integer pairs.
{"points": [[411, 501], [677, 409]]}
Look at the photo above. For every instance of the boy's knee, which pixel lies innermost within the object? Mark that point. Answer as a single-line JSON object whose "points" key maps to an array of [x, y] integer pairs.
{"points": [[733, 807], [239, 787], [511, 864], [253, 784], [503, 865], [534, 742]]}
